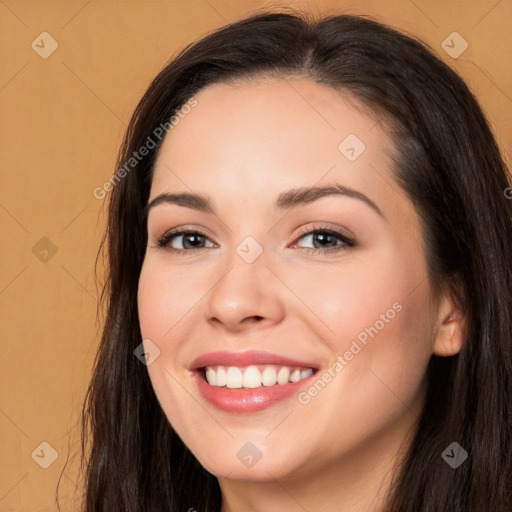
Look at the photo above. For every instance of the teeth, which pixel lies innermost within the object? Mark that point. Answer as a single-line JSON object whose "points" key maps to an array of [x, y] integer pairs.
{"points": [[220, 376], [283, 376], [269, 376], [295, 375], [254, 376], [233, 378], [304, 374], [211, 377]]}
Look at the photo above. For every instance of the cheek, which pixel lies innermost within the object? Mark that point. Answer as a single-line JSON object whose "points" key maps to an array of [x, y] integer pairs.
{"points": [[149, 304], [164, 309], [165, 298], [376, 315], [379, 325], [362, 290]]}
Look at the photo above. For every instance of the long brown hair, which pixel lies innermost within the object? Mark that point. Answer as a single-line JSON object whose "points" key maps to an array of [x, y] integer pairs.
{"points": [[449, 166]]}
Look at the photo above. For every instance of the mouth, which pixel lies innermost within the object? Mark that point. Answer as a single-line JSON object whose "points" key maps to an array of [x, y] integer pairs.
{"points": [[249, 381]]}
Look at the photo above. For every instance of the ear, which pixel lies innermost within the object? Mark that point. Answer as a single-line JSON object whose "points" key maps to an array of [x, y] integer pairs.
{"points": [[451, 324]]}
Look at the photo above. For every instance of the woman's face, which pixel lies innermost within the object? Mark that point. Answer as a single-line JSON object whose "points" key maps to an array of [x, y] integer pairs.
{"points": [[352, 307]]}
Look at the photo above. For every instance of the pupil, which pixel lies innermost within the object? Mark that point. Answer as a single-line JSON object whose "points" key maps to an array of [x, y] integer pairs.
{"points": [[191, 236], [324, 237]]}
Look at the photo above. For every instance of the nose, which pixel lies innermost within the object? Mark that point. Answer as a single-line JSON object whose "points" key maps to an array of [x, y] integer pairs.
{"points": [[248, 294]]}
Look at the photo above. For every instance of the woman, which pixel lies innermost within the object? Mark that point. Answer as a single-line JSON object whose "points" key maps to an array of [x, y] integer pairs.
{"points": [[310, 253]]}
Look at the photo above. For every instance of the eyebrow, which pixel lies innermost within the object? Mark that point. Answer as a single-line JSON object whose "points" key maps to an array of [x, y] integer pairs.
{"points": [[285, 201]]}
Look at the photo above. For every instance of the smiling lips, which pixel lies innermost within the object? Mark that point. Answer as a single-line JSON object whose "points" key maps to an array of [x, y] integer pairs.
{"points": [[248, 381]]}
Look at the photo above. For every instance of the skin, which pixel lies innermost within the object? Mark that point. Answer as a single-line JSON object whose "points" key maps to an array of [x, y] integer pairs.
{"points": [[241, 146]]}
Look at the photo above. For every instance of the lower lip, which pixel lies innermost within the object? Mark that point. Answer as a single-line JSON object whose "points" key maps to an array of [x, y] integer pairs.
{"points": [[248, 400]]}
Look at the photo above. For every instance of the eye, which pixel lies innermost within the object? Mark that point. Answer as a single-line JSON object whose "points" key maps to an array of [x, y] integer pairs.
{"points": [[326, 239], [190, 240]]}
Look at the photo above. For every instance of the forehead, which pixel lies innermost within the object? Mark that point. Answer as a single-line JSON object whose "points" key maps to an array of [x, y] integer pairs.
{"points": [[249, 140]]}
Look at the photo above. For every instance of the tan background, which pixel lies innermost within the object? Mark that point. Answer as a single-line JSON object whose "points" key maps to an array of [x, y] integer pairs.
{"points": [[62, 122]]}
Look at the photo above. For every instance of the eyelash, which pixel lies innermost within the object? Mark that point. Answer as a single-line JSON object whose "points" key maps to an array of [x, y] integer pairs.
{"points": [[164, 241]]}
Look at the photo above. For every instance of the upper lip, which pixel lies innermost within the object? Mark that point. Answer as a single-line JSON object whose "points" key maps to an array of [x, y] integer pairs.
{"points": [[243, 359]]}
